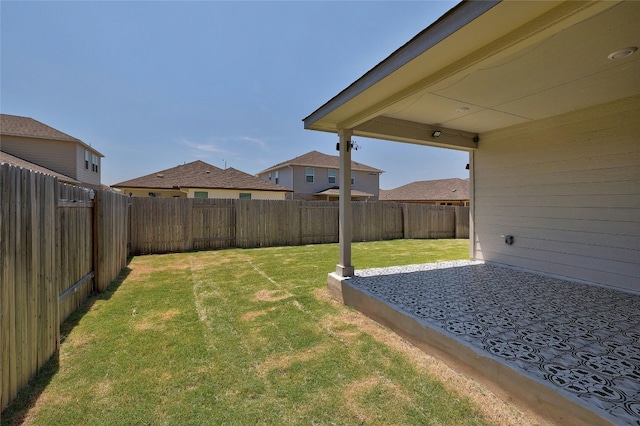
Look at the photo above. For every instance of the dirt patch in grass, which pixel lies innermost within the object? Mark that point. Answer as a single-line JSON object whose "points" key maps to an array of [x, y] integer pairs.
{"points": [[356, 392], [46, 399], [492, 402], [155, 321], [204, 261], [254, 314], [103, 388], [139, 271], [169, 315], [271, 295], [284, 362], [79, 339]]}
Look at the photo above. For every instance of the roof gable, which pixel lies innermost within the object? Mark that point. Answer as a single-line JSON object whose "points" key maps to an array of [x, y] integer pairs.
{"points": [[199, 174], [26, 127], [318, 159]]}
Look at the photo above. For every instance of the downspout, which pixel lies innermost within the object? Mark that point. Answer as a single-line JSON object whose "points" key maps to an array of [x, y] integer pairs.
{"points": [[344, 267]]}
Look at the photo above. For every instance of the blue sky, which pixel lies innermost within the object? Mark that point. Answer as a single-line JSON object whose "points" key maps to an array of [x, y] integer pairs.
{"points": [[154, 84]]}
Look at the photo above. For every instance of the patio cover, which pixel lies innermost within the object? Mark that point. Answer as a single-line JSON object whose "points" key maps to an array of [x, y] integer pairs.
{"points": [[464, 74]]}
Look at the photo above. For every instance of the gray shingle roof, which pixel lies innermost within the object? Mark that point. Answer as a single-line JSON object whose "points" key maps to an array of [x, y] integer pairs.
{"points": [[199, 174], [429, 190], [19, 162], [14, 125], [318, 159]]}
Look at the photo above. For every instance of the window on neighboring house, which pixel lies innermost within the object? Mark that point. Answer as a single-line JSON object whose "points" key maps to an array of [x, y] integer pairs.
{"points": [[86, 159], [309, 174], [277, 176], [245, 195], [353, 178], [332, 176], [269, 175], [94, 163], [200, 194]]}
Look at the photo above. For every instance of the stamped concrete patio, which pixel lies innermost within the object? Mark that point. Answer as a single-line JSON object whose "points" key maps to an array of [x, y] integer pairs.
{"points": [[568, 349]]}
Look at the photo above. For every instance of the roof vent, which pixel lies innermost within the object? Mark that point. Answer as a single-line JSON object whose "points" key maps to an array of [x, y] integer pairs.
{"points": [[208, 171], [160, 175]]}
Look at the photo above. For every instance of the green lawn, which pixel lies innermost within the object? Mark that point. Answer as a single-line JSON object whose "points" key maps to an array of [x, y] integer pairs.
{"points": [[239, 337]]}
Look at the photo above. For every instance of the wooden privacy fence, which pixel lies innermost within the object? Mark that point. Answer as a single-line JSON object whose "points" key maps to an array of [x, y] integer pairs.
{"points": [[58, 243], [162, 225]]}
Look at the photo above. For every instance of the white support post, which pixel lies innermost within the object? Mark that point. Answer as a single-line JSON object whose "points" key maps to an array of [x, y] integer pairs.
{"points": [[472, 206], [344, 267]]}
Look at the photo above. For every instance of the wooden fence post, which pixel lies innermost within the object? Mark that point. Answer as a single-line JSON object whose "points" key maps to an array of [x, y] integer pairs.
{"points": [[96, 239]]}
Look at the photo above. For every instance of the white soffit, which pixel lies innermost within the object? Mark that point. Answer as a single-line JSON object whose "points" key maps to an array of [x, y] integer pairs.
{"points": [[538, 59], [567, 71]]}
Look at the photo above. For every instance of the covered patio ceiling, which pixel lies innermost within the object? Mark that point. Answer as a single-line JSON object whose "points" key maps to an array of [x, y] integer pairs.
{"points": [[488, 65]]}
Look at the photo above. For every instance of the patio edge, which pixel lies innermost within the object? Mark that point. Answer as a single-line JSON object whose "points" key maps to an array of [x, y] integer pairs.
{"points": [[334, 285], [537, 397]]}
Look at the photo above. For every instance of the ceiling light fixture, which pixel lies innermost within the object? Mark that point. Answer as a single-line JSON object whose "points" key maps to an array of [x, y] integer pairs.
{"points": [[622, 53], [463, 109]]}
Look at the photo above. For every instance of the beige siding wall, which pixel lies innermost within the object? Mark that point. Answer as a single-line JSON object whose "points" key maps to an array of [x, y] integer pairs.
{"points": [[232, 194], [87, 175], [285, 177], [60, 156], [365, 182], [144, 192], [568, 190], [55, 155]]}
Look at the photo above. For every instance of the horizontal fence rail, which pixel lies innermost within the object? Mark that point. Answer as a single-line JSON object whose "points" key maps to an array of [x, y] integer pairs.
{"points": [[163, 225], [58, 244]]}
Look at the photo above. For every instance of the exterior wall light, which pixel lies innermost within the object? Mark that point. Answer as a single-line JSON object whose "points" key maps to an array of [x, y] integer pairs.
{"points": [[436, 133], [622, 53]]}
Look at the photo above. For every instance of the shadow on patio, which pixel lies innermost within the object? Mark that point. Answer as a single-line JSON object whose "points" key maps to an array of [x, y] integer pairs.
{"points": [[568, 350]]}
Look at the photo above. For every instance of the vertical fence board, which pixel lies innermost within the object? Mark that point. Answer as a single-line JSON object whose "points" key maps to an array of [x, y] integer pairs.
{"points": [[428, 221], [213, 224], [75, 215], [46, 246], [462, 221], [9, 222], [158, 226], [112, 237]]}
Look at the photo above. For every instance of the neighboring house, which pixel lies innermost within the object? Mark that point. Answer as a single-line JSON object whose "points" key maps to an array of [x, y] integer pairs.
{"points": [[545, 97], [19, 162], [37, 143], [202, 180], [442, 192], [314, 176]]}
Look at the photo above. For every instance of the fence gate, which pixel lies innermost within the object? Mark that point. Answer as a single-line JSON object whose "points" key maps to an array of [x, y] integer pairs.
{"points": [[58, 243]]}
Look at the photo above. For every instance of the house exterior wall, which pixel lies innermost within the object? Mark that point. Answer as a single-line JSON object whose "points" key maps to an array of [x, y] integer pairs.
{"points": [[58, 156], [568, 189], [213, 193], [61, 156], [88, 175], [144, 192], [365, 182], [285, 177], [294, 177], [234, 194]]}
